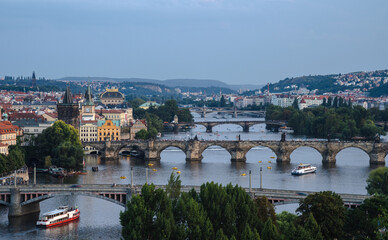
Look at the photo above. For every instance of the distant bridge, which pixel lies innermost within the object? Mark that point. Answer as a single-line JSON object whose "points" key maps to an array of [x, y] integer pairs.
{"points": [[194, 148], [232, 110], [25, 199], [210, 124]]}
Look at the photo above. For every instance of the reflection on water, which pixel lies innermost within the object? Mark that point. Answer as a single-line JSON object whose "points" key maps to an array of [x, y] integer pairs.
{"points": [[100, 219]]}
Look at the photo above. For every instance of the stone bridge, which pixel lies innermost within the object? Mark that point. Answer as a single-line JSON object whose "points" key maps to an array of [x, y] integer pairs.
{"points": [[244, 124], [233, 110], [194, 148], [25, 199]]}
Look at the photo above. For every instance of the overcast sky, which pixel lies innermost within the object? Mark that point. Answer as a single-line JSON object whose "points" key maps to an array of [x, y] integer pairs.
{"points": [[235, 41]]}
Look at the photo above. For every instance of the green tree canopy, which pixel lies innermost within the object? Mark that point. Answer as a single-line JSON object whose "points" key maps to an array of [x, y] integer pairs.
{"points": [[377, 181], [62, 143], [328, 210]]}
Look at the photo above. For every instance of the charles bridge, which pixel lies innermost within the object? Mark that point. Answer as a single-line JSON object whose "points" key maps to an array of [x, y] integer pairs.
{"points": [[238, 149], [25, 199]]}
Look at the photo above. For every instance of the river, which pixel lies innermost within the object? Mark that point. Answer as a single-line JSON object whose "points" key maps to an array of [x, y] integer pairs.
{"points": [[100, 219]]}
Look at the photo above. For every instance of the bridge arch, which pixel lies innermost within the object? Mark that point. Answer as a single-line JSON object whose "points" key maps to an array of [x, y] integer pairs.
{"points": [[230, 123], [315, 153], [265, 155], [117, 198], [172, 145], [128, 147], [216, 147], [363, 156]]}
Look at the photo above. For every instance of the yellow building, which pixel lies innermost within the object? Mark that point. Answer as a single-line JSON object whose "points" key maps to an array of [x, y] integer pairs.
{"points": [[112, 97], [108, 131]]}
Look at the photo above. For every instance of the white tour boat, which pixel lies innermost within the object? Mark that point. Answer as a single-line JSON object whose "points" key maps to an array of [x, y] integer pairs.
{"points": [[58, 216], [304, 169]]}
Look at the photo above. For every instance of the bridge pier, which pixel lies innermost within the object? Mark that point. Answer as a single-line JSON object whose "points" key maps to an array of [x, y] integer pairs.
{"points": [[109, 151], [377, 158], [246, 127], [329, 156], [193, 152], [209, 128], [238, 155], [151, 155], [284, 153], [15, 207]]}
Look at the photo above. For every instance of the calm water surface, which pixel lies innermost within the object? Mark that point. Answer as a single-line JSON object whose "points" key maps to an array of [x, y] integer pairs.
{"points": [[100, 219]]}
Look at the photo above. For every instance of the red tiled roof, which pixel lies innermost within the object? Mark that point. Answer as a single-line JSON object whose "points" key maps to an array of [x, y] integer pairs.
{"points": [[27, 115]]}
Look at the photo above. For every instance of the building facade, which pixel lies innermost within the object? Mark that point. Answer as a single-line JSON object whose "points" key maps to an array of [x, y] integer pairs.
{"points": [[108, 131], [88, 131]]}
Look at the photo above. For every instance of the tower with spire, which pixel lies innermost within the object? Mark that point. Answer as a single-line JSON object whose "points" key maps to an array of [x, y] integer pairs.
{"points": [[88, 111], [68, 111], [33, 80]]}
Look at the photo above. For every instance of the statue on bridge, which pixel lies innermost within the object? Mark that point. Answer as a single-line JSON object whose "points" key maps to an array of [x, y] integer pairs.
{"points": [[283, 139], [377, 138]]}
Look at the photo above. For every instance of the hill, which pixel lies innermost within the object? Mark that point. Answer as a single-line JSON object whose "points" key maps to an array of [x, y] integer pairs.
{"points": [[373, 82], [196, 83]]}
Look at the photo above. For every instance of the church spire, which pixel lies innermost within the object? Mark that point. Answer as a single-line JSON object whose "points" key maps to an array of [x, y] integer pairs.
{"points": [[67, 98], [88, 96]]}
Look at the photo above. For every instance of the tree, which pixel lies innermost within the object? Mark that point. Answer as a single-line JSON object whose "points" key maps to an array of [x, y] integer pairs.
{"points": [[328, 210], [135, 103], [377, 181], [142, 134], [295, 104], [364, 221], [173, 187], [222, 101], [61, 142], [148, 216], [191, 220], [265, 209], [313, 228], [335, 102], [329, 102], [270, 231], [324, 102]]}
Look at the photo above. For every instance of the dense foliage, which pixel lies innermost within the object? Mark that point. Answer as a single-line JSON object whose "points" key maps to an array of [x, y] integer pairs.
{"points": [[58, 145], [321, 122], [218, 212], [14, 160], [378, 181]]}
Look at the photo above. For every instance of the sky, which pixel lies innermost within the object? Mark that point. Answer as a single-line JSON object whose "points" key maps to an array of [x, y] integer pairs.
{"points": [[234, 41]]}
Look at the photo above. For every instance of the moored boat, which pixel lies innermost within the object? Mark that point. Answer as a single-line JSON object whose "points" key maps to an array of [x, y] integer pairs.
{"points": [[59, 216], [303, 169]]}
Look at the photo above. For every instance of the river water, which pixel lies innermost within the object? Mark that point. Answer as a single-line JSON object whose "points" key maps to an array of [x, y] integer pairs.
{"points": [[100, 219]]}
